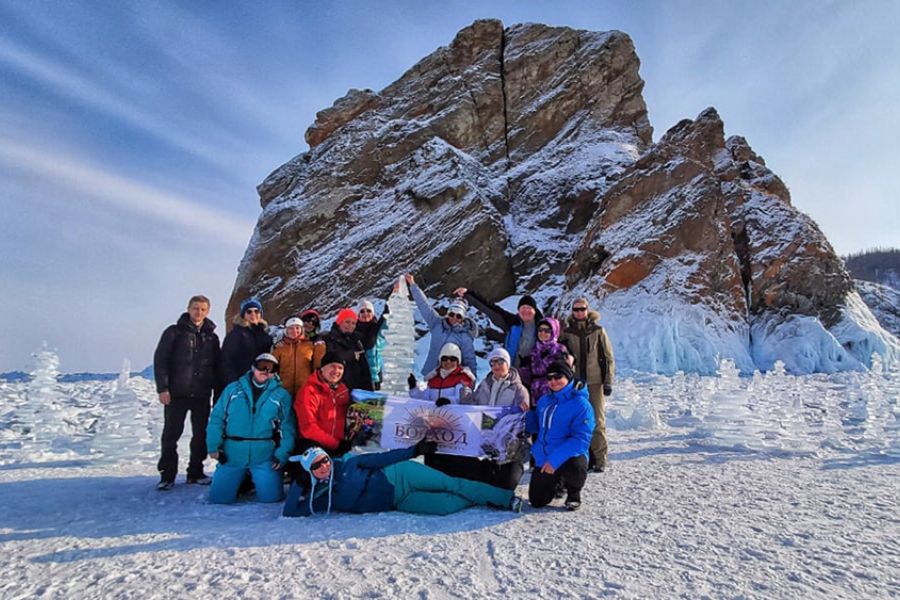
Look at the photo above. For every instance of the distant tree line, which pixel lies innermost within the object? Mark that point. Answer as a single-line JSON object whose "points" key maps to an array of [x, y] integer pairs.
{"points": [[881, 265]]}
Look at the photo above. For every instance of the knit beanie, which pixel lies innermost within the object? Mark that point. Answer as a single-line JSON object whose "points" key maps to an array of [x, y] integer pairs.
{"points": [[527, 300], [309, 458], [451, 349], [344, 314], [561, 367], [365, 304], [251, 303], [332, 358], [500, 353], [458, 306]]}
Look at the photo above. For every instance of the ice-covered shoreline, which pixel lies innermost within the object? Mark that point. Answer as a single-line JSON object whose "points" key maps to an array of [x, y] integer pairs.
{"points": [[769, 486]]}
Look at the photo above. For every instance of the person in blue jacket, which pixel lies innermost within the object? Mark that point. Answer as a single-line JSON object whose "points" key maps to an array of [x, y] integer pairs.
{"points": [[564, 424], [520, 328], [386, 481], [455, 328], [252, 430]]}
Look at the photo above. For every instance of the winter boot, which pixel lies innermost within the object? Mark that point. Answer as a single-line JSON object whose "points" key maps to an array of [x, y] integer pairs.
{"points": [[516, 504], [560, 490], [201, 480], [164, 485]]}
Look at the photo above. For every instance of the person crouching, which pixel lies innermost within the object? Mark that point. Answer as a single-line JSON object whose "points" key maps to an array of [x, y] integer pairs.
{"points": [[251, 430], [564, 424]]}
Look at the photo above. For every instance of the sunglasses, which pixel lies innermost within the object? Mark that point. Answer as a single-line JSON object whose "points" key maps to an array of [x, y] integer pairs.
{"points": [[544, 330], [496, 361], [449, 359], [264, 369], [364, 311], [555, 376], [455, 315], [252, 310], [319, 464], [310, 320], [579, 308]]}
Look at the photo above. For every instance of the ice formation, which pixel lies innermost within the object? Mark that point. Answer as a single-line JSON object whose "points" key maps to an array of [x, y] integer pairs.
{"points": [[399, 352]]}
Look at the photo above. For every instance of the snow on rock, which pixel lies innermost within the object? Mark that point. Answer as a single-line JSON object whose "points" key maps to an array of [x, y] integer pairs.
{"points": [[884, 302]]}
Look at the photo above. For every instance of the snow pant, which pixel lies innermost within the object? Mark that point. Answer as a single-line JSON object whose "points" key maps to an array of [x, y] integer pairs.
{"points": [[506, 475], [599, 445], [173, 426], [571, 473], [425, 491], [227, 480]]}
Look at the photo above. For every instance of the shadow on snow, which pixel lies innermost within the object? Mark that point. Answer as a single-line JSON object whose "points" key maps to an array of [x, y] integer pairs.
{"points": [[118, 507]]}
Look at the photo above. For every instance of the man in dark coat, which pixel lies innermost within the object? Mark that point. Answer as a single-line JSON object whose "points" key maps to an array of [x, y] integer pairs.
{"points": [[596, 366], [247, 339], [344, 341], [184, 366], [520, 328]]}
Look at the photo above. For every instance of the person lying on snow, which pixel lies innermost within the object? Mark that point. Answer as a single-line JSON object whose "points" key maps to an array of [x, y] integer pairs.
{"points": [[386, 481]]}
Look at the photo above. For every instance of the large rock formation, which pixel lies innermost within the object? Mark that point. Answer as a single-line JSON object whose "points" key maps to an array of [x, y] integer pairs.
{"points": [[480, 164], [697, 253], [522, 159]]}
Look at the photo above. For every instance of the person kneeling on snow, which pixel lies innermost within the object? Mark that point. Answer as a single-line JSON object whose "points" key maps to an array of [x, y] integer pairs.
{"points": [[251, 430], [386, 481], [564, 424]]}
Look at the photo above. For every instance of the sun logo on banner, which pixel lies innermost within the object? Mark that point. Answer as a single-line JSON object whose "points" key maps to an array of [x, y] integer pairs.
{"points": [[432, 423]]}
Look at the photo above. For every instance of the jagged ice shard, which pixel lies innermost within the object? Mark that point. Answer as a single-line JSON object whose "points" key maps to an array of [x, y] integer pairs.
{"points": [[400, 335]]}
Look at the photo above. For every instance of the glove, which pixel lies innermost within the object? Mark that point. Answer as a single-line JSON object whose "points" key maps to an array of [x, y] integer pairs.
{"points": [[441, 402], [607, 389], [426, 447], [343, 447], [411, 380]]}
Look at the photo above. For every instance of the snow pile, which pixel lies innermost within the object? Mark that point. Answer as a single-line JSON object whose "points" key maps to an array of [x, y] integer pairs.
{"points": [[629, 409]]}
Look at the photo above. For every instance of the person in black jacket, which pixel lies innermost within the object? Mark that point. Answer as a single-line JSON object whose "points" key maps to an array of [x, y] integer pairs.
{"points": [[248, 339], [520, 328], [184, 366], [347, 343]]}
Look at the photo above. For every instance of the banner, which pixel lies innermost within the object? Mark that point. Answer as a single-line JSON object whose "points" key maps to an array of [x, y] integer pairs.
{"points": [[495, 432]]}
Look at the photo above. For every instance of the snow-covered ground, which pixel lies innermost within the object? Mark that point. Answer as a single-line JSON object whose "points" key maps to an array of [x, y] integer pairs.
{"points": [[766, 487]]}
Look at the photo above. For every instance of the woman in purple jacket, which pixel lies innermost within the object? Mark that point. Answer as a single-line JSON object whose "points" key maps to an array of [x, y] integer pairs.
{"points": [[546, 351]]}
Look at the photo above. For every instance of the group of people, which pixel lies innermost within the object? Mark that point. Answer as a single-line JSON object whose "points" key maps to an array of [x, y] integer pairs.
{"points": [[268, 411]]}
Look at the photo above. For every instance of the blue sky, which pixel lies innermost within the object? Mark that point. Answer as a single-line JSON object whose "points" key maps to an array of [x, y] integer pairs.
{"points": [[133, 134]]}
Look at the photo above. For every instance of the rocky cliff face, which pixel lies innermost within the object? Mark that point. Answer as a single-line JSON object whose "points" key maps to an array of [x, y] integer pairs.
{"points": [[521, 159], [480, 164]]}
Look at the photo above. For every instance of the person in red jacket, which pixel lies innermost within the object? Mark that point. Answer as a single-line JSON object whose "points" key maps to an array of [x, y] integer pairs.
{"points": [[450, 383], [321, 408]]}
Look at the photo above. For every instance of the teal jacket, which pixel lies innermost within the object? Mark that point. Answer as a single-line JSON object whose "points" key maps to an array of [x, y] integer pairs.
{"points": [[247, 431]]}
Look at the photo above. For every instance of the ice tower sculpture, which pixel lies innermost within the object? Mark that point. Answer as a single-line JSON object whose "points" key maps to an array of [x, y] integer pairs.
{"points": [[121, 432], [400, 335], [42, 413]]}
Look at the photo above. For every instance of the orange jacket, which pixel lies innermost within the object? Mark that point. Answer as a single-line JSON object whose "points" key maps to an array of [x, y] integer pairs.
{"points": [[296, 361], [322, 411]]}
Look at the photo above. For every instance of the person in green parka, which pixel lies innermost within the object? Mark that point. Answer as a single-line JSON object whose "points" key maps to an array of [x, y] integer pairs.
{"points": [[252, 431]]}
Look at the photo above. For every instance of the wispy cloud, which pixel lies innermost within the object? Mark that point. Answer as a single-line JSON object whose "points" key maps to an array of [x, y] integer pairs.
{"points": [[93, 93], [124, 193]]}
